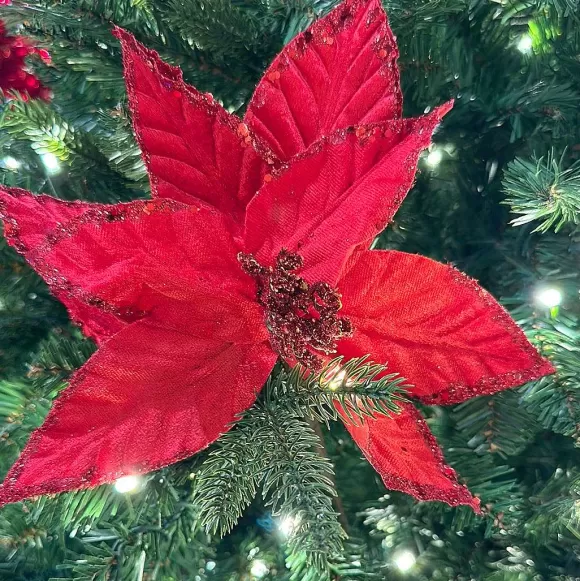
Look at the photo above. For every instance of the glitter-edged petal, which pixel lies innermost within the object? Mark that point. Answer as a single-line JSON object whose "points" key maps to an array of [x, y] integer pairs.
{"points": [[340, 72], [402, 449], [110, 264], [155, 393], [434, 326], [194, 149], [340, 193], [28, 220]]}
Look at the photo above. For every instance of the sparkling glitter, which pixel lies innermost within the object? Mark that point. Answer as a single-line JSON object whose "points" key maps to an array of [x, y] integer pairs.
{"points": [[302, 319], [243, 130]]}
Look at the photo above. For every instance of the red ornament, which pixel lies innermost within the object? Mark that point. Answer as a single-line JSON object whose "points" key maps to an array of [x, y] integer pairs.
{"points": [[256, 229], [13, 74]]}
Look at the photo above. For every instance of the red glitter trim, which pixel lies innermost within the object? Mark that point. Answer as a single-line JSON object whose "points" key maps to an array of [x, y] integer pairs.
{"points": [[302, 319], [98, 214], [460, 494], [490, 384], [365, 133], [172, 79]]}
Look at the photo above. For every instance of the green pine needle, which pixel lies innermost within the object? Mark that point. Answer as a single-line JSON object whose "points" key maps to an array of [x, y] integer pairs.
{"points": [[541, 190]]}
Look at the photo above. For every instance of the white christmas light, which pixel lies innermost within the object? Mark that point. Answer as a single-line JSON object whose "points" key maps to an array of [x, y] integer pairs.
{"points": [[50, 162], [434, 158], [259, 569], [404, 560], [210, 565], [128, 484], [337, 380], [287, 525], [11, 163], [525, 43], [549, 297]]}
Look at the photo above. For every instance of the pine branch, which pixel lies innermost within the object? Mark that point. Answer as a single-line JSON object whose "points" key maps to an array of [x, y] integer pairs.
{"points": [[49, 132], [555, 508], [221, 28], [554, 399], [541, 189], [497, 424], [360, 387], [298, 486], [227, 481], [272, 445]]}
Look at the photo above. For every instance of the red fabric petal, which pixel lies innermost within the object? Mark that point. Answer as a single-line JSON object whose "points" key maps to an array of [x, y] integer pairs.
{"points": [[194, 149], [28, 220], [340, 193], [402, 449], [124, 260], [33, 217], [155, 393], [434, 326], [340, 72]]}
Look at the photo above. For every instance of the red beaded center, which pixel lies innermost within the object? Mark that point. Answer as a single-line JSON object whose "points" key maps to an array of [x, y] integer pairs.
{"points": [[302, 319]]}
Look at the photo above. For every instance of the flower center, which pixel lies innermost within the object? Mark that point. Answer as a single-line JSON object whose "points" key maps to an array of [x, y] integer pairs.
{"points": [[302, 319]]}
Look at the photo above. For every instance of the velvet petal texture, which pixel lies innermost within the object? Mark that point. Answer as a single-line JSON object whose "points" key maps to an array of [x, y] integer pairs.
{"points": [[402, 449], [435, 326], [192, 354], [338, 194], [141, 402], [447, 336], [194, 149], [340, 72]]}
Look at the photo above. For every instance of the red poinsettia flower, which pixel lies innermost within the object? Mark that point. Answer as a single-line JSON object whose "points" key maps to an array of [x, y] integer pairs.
{"points": [[13, 73], [255, 229]]}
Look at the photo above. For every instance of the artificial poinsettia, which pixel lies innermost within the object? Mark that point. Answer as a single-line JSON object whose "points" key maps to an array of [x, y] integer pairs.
{"points": [[254, 247], [13, 74]]}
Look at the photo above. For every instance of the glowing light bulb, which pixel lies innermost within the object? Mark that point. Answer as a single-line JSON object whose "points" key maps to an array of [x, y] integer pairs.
{"points": [[525, 43], [259, 569], [404, 560], [287, 525], [210, 565], [127, 484], [549, 297], [11, 163], [50, 162], [434, 158], [337, 380]]}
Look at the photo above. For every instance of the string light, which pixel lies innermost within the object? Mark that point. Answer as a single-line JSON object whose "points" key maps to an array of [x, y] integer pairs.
{"points": [[525, 43], [50, 162], [549, 297], [259, 569], [210, 565], [337, 380], [434, 158], [11, 163], [127, 484], [287, 525], [404, 560]]}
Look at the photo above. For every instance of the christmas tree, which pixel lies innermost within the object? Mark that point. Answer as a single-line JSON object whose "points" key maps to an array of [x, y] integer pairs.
{"points": [[301, 486]]}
